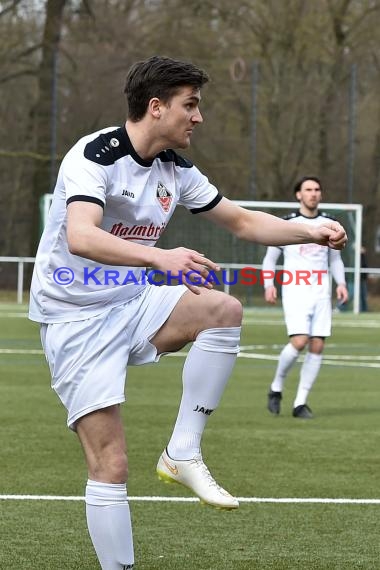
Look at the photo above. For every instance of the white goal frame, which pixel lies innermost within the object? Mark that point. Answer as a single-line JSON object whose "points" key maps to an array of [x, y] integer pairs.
{"points": [[357, 209]]}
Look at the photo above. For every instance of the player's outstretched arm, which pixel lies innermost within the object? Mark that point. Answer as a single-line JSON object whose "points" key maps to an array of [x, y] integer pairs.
{"points": [[266, 229]]}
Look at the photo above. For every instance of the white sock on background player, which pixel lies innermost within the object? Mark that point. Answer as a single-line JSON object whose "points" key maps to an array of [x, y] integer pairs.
{"points": [[206, 371], [309, 372], [288, 357]]}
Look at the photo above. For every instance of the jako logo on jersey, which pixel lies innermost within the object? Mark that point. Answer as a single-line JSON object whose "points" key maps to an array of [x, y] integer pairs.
{"points": [[126, 192], [164, 197], [203, 410]]}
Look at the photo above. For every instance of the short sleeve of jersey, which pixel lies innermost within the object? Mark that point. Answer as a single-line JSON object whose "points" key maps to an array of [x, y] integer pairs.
{"points": [[197, 194], [84, 179]]}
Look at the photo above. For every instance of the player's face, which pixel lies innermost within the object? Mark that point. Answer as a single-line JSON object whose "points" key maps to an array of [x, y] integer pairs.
{"points": [[309, 195], [180, 116]]}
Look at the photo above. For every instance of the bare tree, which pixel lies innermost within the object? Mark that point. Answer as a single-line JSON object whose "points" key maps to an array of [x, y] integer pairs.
{"points": [[301, 51], [43, 112]]}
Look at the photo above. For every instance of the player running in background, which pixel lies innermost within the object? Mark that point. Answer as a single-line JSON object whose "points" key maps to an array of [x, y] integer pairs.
{"points": [[116, 191], [306, 301]]}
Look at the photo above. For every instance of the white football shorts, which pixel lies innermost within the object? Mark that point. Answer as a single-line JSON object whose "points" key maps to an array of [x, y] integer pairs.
{"points": [[312, 317], [88, 359]]}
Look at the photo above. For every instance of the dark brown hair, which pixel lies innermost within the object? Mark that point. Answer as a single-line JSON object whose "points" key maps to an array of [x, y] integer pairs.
{"points": [[297, 186], [161, 77]]}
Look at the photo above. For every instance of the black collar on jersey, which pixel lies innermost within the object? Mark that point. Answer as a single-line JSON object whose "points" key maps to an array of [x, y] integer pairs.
{"points": [[110, 146], [309, 217], [318, 214], [167, 155], [125, 142], [298, 214]]}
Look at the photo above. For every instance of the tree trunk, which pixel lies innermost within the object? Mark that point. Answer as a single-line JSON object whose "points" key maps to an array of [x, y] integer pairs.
{"points": [[373, 210], [43, 114]]}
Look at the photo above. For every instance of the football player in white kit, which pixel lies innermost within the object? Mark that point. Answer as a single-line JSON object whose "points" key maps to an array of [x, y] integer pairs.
{"points": [[306, 298], [116, 191]]}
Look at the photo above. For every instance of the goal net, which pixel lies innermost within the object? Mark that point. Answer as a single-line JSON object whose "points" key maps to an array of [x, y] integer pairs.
{"points": [[233, 254]]}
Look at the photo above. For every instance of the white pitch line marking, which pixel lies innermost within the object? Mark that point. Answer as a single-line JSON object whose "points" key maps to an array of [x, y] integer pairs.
{"points": [[252, 320], [339, 362], [331, 360], [348, 324], [160, 499], [21, 351], [14, 315]]}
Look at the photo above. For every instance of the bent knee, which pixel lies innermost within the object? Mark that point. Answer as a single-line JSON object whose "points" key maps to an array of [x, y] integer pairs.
{"points": [[299, 341], [231, 312]]}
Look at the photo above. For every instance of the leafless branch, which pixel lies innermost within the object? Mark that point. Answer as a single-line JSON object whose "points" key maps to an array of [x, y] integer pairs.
{"points": [[9, 8]]}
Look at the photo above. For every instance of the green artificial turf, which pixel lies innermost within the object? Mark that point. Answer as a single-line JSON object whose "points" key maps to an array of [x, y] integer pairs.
{"points": [[255, 455]]}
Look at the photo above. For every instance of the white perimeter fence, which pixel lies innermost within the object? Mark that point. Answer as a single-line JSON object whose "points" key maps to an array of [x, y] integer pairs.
{"points": [[21, 261]]}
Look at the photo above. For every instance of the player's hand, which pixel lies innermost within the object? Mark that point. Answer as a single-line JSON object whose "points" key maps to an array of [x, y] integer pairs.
{"points": [[270, 294], [342, 293], [331, 234], [192, 267]]}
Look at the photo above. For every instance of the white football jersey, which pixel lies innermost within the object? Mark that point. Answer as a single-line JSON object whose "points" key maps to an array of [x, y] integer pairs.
{"points": [[306, 267], [138, 198]]}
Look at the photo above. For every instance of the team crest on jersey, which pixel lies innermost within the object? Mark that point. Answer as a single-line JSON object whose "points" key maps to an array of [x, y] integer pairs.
{"points": [[164, 197]]}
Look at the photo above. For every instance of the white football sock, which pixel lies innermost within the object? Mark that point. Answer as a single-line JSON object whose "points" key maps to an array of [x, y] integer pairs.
{"points": [[109, 524], [287, 359], [309, 372], [206, 371]]}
